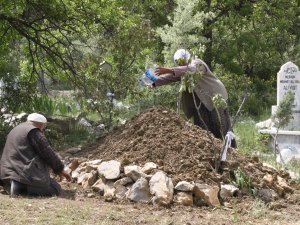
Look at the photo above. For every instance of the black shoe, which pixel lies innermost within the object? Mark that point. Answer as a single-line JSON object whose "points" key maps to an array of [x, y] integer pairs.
{"points": [[17, 188]]}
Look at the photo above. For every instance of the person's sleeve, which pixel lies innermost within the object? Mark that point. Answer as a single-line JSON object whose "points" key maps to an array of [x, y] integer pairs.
{"points": [[165, 79], [180, 71], [43, 149]]}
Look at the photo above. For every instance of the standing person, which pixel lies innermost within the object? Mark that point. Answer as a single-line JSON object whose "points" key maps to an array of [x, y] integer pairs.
{"points": [[26, 158], [205, 89]]}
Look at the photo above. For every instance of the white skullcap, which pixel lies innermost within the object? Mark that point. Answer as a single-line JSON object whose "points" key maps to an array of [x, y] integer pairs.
{"points": [[181, 53], [35, 117]]}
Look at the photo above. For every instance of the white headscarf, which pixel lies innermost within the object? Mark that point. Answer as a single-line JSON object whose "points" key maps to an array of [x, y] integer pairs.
{"points": [[181, 54], [36, 117]]}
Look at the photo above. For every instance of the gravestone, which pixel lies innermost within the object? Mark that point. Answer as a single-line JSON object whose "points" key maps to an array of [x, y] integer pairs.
{"points": [[288, 79], [288, 139]]}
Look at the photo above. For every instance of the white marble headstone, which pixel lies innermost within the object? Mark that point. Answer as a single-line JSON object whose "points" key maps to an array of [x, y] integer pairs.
{"points": [[288, 79]]}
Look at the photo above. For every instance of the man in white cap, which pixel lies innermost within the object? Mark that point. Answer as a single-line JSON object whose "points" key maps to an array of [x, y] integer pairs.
{"points": [[26, 159], [205, 89]]}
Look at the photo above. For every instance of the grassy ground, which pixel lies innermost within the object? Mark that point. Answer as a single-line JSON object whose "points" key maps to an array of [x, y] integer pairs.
{"points": [[250, 141], [57, 210]]}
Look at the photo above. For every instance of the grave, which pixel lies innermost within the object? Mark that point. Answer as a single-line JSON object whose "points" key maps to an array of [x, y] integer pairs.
{"points": [[288, 79]]}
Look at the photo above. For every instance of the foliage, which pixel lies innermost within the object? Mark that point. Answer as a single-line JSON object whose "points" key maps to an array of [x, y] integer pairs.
{"points": [[294, 166], [219, 102], [284, 112], [145, 98], [66, 41], [77, 135], [250, 141], [180, 33], [255, 38], [260, 94], [282, 117], [241, 179], [50, 106], [43, 104], [45, 32], [14, 94], [4, 130]]}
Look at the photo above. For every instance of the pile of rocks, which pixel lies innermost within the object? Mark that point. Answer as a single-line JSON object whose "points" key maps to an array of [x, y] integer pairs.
{"points": [[149, 184], [182, 158]]}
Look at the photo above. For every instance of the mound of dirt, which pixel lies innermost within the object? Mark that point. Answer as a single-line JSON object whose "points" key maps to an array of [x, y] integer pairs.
{"points": [[181, 149]]}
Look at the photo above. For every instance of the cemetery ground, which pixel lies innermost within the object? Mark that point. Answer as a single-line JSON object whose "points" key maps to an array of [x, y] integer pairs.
{"points": [[82, 210], [184, 152]]}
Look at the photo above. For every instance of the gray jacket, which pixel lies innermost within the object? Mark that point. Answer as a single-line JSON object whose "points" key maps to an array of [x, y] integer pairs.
{"points": [[19, 161]]}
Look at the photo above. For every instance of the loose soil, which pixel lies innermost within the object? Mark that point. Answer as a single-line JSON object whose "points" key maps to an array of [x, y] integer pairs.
{"points": [[184, 152]]}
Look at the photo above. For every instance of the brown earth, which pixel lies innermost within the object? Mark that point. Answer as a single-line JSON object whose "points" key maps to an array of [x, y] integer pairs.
{"points": [[83, 210], [181, 149], [185, 152]]}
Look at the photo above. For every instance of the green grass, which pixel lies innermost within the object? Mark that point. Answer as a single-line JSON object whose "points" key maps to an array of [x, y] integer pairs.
{"points": [[78, 135], [251, 142], [248, 138]]}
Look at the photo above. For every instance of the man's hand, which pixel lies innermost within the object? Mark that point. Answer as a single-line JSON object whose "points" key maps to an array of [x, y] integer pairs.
{"points": [[163, 70], [64, 174]]}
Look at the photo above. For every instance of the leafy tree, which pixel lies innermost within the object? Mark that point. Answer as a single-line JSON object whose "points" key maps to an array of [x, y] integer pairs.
{"points": [[181, 33], [239, 38]]}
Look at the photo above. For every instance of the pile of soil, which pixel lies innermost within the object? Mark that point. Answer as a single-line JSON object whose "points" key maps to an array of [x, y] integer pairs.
{"points": [[184, 151]]}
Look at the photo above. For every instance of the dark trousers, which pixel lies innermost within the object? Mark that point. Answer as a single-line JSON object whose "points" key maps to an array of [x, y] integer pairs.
{"points": [[53, 188], [216, 121]]}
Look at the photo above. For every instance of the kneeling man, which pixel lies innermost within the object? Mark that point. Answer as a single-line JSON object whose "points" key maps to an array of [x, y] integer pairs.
{"points": [[26, 159]]}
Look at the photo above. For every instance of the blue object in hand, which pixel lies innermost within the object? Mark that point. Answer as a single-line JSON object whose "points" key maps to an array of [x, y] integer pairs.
{"points": [[150, 74]]}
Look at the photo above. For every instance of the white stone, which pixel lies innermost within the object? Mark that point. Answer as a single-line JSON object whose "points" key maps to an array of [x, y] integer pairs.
{"points": [[162, 188], [89, 179], [81, 178], [139, 192], [21, 115], [94, 162], [74, 150], [110, 169], [208, 193], [294, 175], [269, 166], [123, 181], [99, 186], [267, 124], [228, 190], [75, 174], [134, 172], [84, 122], [184, 186], [148, 167], [109, 191], [288, 153], [120, 191]]}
